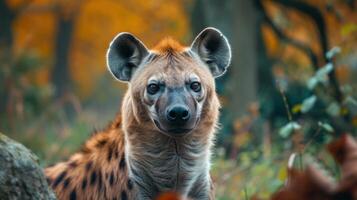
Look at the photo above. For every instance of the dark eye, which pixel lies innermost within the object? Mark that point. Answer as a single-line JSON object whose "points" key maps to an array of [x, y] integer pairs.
{"points": [[153, 88], [195, 86]]}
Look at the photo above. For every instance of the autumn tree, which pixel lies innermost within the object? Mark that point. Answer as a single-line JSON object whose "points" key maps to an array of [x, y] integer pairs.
{"points": [[66, 13], [8, 15]]}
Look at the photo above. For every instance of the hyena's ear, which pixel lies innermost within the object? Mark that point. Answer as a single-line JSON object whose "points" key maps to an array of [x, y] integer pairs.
{"points": [[124, 56], [213, 49]]}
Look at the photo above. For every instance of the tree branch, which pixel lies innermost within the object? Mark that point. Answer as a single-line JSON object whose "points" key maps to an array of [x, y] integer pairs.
{"points": [[318, 19], [283, 37]]}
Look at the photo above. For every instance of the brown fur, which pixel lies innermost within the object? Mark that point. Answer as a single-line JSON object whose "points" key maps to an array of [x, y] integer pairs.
{"points": [[97, 171], [168, 45], [100, 169]]}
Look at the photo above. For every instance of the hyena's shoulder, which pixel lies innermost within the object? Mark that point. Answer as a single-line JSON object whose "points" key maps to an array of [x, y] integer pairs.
{"points": [[97, 171]]}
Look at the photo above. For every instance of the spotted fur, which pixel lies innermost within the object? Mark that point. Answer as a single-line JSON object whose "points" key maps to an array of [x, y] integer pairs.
{"points": [[97, 171]]}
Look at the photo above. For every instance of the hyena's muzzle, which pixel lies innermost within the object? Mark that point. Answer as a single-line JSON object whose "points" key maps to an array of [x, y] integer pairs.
{"points": [[177, 111]]}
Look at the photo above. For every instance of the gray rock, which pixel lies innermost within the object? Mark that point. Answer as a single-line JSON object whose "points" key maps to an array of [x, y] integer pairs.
{"points": [[21, 177]]}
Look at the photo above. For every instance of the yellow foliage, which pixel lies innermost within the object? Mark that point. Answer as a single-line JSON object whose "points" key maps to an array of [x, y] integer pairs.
{"points": [[282, 173], [271, 41], [96, 23], [340, 21], [296, 108], [354, 121], [35, 32]]}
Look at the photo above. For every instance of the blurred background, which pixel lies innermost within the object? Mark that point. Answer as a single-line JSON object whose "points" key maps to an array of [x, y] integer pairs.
{"points": [[291, 87]]}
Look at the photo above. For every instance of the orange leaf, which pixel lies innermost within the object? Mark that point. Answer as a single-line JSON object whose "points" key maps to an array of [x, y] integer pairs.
{"points": [[169, 196]]}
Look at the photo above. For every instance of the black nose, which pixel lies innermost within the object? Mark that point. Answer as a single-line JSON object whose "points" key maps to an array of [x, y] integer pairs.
{"points": [[178, 114]]}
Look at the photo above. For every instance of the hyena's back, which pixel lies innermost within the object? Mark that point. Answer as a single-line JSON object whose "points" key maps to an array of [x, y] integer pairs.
{"points": [[98, 171]]}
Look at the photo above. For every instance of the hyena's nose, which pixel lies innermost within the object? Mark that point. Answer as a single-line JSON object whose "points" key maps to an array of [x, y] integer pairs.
{"points": [[178, 114]]}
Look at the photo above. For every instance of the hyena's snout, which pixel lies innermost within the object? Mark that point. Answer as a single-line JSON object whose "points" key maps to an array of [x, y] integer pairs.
{"points": [[178, 114], [179, 119]]}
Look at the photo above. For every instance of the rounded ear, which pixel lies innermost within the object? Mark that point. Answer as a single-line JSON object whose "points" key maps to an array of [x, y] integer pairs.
{"points": [[213, 49], [124, 56]]}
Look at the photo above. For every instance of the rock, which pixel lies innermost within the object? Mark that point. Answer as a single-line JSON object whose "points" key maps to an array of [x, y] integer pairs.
{"points": [[21, 177]]}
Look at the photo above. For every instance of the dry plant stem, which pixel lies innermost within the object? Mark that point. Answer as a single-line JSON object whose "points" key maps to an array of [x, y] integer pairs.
{"points": [[282, 93], [311, 139]]}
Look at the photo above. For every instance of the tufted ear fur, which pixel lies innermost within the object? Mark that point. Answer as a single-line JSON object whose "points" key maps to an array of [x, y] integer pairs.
{"points": [[124, 56], [213, 49]]}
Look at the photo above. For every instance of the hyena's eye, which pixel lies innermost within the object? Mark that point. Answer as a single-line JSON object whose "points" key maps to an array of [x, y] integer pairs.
{"points": [[153, 88], [195, 86]]}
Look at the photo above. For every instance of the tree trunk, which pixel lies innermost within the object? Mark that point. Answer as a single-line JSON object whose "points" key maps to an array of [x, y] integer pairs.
{"points": [[7, 17], [237, 19], [20, 175], [239, 23], [242, 84], [267, 91], [60, 73]]}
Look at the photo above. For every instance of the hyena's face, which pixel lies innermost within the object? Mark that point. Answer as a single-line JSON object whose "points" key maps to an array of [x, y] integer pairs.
{"points": [[174, 95], [172, 83]]}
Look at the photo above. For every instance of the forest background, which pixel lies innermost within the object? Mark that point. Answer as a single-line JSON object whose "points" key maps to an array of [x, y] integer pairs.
{"points": [[291, 87]]}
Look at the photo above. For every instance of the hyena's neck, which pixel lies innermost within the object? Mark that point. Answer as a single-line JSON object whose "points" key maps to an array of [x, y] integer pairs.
{"points": [[159, 163]]}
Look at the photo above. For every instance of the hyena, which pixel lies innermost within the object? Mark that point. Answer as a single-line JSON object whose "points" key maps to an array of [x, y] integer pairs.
{"points": [[162, 139]]}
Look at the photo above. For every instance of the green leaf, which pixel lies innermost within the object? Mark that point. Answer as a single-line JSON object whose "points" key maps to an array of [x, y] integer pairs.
{"points": [[346, 89], [312, 83], [333, 109], [327, 127], [322, 73], [320, 76], [333, 52], [308, 103], [26, 63], [351, 100], [289, 128]]}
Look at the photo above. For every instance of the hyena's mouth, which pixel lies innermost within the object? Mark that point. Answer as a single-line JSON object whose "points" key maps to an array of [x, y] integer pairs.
{"points": [[174, 132]]}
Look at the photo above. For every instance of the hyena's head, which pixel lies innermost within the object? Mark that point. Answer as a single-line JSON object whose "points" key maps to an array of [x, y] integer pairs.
{"points": [[171, 87]]}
